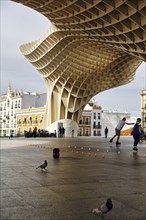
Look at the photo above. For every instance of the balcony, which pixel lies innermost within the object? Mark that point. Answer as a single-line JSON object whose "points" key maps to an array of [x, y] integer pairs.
{"points": [[97, 127], [85, 123]]}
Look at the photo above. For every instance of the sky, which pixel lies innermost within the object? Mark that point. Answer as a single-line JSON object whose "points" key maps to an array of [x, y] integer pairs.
{"points": [[20, 25]]}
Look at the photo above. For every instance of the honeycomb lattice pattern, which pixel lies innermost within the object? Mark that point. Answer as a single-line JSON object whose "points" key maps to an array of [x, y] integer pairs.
{"points": [[91, 46]]}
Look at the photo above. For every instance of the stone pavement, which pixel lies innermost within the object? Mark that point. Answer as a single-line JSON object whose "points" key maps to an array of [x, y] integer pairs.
{"points": [[88, 171]]}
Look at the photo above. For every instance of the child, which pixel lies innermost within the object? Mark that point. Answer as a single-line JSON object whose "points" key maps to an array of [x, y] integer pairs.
{"points": [[136, 133]]}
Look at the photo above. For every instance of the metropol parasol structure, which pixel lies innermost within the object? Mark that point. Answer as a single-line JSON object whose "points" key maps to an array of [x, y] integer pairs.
{"points": [[91, 46]]}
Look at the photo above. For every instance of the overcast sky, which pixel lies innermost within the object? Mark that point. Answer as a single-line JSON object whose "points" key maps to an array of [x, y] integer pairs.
{"points": [[20, 25]]}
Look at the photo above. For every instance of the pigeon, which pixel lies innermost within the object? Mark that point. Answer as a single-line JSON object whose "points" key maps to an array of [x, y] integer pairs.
{"points": [[43, 166], [104, 208]]}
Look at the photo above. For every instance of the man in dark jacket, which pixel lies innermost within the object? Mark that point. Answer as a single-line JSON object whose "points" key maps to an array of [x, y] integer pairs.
{"points": [[106, 131]]}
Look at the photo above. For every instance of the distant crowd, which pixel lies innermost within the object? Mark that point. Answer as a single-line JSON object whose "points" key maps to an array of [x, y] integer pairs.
{"points": [[39, 133]]}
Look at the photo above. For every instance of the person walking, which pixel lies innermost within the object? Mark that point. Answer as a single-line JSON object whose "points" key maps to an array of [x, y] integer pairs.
{"points": [[136, 134], [118, 129], [72, 133], [11, 135], [106, 131], [63, 132], [60, 132]]}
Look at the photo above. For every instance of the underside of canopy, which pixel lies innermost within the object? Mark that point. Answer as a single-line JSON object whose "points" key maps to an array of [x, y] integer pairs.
{"points": [[91, 46]]}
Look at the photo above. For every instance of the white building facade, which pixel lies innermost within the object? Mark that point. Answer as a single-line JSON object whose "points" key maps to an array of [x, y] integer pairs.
{"points": [[13, 101], [90, 122], [94, 121]]}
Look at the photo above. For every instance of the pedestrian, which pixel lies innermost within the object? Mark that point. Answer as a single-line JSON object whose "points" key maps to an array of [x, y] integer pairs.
{"points": [[63, 132], [35, 131], [106, 131], [11, 135], [136, 133], [118, 129], [72, 132], [60, 131]]}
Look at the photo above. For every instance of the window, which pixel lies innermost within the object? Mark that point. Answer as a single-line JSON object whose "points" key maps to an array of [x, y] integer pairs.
{"points": [[80, 131], [41, 120], [87, 132], [94, 115], [94, 124], [24, 122], [30, 120], [99, 133], [36, 120], [19, 131], [12, 105], [4, 132], [87, 121], [99, 116], [80, 122], [8, 103], [19, 121], [16, 104], [99, 126]]}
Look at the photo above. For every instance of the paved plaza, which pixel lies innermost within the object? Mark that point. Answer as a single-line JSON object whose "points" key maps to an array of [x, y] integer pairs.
{"points": [[88, 171]]}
